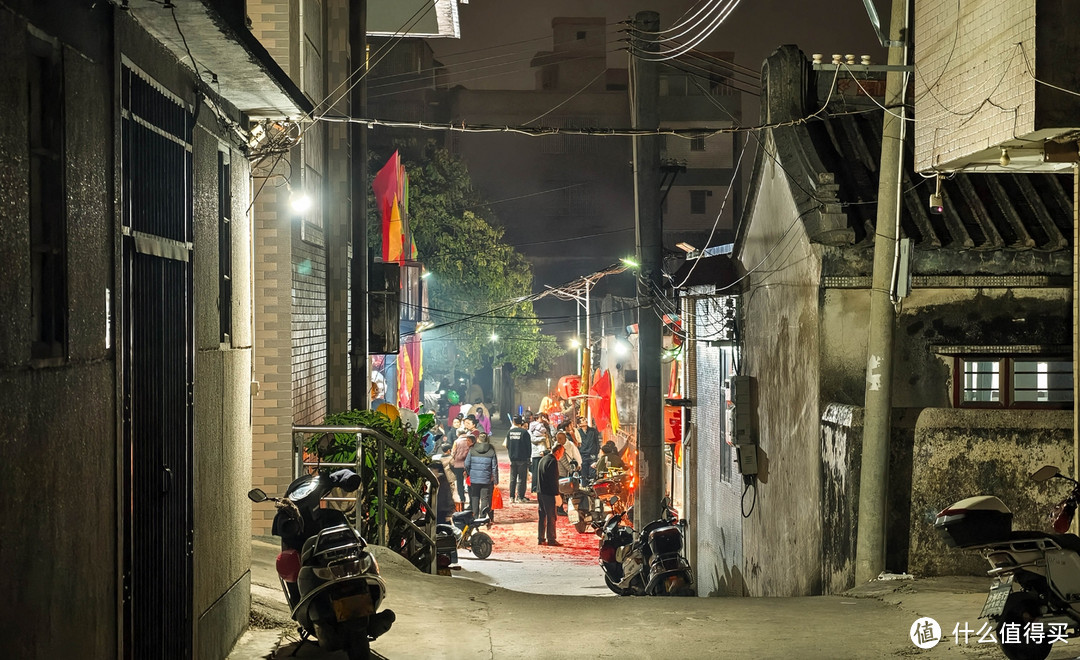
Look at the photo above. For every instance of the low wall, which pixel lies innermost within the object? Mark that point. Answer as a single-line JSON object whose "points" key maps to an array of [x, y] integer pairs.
{"points": [[841, 449], [961, 453]]}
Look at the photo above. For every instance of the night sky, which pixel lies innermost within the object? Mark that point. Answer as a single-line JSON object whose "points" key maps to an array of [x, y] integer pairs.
{"points": [[753, 30]]}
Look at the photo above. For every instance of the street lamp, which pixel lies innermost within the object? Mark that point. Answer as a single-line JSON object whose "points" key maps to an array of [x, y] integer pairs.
{"points": [[579, 291]]}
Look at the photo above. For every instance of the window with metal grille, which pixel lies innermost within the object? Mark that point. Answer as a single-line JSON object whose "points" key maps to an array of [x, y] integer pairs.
{"points": [[1013, 382], [697, 144], [698, 201], [224, 247], [48, 222]]}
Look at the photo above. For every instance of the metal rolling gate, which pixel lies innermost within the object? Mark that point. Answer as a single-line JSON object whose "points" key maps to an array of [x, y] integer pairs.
{"points": [[157, 354]]}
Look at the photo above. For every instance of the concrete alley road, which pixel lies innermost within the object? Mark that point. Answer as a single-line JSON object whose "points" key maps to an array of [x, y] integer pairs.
{"points": [[441, 617]]}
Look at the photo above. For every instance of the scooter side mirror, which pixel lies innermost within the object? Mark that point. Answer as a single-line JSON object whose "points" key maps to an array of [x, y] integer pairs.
{"points": [[257, 495], [1045, 473]]}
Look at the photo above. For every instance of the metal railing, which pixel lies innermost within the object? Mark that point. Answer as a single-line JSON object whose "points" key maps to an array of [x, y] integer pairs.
{"points": [[418, 538]]}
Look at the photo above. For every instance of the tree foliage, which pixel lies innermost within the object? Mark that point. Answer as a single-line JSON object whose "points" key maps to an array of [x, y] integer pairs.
{"points": [[477, 281]]}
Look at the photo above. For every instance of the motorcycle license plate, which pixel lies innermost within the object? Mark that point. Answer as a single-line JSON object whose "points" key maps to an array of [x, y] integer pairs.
{"points": [[352, 607], [995, 602]]}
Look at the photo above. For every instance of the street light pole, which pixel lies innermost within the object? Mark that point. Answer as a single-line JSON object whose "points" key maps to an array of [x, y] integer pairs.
{"points": [[644, 76], [494, 361]]}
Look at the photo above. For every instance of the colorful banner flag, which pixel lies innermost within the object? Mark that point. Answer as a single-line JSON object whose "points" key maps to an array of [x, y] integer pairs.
{"points": [[600, 404], [391, 188], [388, 197], [409, 374]]}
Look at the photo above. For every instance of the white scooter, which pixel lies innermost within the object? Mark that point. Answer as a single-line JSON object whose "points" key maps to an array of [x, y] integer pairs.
{"points": [[1035, 599]]}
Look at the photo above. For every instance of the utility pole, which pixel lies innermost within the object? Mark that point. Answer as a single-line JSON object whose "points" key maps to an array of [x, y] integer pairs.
{"points": [[645, 115], [874, 479], [360, 397]]}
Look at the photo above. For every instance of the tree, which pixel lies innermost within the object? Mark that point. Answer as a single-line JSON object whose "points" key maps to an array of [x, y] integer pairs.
{"points": [[479, 285]]}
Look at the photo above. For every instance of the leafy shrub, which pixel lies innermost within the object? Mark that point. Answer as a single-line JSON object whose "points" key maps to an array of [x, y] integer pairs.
{"points": [[341, 448]]}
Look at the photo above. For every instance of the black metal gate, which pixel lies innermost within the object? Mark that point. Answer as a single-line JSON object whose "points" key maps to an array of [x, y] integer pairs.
{"points": [[158, 368]]}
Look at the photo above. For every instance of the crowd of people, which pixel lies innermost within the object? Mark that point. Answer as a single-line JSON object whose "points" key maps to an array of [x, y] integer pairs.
{"points": [[539, 453]]}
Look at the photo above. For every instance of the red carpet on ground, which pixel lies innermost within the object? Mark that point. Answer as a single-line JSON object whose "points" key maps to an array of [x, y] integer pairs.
{"points": [[515, 529]]}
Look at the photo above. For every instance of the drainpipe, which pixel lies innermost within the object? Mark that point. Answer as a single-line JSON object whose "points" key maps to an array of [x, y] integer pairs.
{"points": [[874, 479]]}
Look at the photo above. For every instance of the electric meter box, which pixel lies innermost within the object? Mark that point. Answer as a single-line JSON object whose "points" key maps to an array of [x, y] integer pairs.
{"points": [[747, 455], [741, 414]]}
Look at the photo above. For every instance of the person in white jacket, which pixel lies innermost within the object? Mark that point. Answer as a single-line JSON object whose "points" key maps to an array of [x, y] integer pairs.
{"points": [[541, 442]]}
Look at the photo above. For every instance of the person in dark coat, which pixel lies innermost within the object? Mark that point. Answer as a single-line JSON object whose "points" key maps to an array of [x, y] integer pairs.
{"points": [[482, 468], [519, 450], [588, 441], [547, 487]]}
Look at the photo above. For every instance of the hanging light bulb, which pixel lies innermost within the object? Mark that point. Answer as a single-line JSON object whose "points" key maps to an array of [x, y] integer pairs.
{"points": [[299, 202]]}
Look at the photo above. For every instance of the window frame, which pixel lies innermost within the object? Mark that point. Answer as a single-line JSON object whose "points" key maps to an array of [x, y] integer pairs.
{"points": [[1007, 382], [225, 261], [702, 196], [48, 221]]}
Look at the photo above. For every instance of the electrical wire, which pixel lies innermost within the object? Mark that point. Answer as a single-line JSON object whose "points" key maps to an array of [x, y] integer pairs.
{"points": [[724, 7], [723, 206], [568, 99]]}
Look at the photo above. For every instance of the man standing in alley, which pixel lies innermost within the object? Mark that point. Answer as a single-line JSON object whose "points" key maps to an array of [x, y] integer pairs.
{"points": [[588, 441], [519, 450], [547, 487]]}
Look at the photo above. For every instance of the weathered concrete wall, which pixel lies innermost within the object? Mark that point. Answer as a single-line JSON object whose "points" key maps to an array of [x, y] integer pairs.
{"points": [[963, 453], [841, 451], [58, 497], [782, 537], [933, 319], [222, 441], [60, 442]]}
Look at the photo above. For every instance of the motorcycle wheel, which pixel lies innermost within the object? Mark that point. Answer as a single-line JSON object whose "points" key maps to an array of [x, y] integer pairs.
{"points": [[581, 526], [616, 588], [481, 545], [1020, 609], [358, 646]]}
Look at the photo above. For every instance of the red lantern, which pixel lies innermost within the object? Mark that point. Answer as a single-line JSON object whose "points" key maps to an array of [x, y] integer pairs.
{"points": [[569, 386]]}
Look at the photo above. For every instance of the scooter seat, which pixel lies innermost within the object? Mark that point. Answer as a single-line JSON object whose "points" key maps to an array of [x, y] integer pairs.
{"points": [[461, 518]]}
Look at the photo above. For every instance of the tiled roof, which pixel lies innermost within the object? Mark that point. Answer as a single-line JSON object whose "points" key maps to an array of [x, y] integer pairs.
{"points": [[981, 211]]}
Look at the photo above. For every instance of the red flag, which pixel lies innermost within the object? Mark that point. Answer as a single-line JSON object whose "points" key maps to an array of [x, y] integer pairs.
{"points": [[600, 403], [388, 199]]}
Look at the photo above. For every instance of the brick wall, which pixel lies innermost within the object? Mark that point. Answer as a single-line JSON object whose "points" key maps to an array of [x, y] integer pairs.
{"points": [[272, 356], [308, 331], [270, 24], [980, 91]]}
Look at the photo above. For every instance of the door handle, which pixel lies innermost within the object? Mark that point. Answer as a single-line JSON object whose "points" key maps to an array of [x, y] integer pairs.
{"points": [[166, 479]]}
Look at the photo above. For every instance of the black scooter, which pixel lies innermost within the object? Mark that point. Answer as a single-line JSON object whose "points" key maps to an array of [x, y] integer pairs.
{"points": [[330, 579], [466, 535], [647, 564]]}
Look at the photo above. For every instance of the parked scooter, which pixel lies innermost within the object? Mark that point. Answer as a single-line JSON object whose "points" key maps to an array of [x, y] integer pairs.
{"points": [[647, 564], [330, 579], [466, 535], [588, 503], [1035, 597]]}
